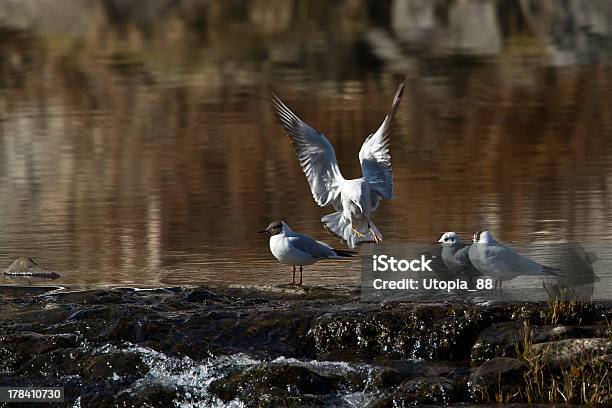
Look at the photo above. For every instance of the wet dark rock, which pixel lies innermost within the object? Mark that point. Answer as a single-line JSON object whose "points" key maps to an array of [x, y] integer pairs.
{"points": [[57, 363], [203, 295], [147, 397], [276, 384], [501, 376], [386, 377], [88, 365], [36, 316], [413, 331], [393, 372], [390, 373], [28, 267], [102, 344], [421, 391], [24, 292], [498, 340], [604, 331], [435, 390], [16, 349], [109, 365]]}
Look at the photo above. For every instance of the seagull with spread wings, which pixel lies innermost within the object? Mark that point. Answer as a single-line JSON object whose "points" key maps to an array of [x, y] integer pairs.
{"points": [[354, 200]]}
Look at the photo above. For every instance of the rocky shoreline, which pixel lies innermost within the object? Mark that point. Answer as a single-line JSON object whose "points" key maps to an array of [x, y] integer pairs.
{"points": [[294, 346]]}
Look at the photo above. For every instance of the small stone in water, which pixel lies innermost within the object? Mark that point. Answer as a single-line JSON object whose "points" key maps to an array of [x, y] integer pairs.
{"points": [[26, 266]]}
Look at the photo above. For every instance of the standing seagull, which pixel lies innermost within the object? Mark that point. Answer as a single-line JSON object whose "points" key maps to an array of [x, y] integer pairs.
{"points": [[501, 262], [455, 255], [297, 249], [353, 200]]}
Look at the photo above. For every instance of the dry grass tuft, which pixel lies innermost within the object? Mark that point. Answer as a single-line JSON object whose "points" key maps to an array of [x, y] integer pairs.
{"points": [[586, 380]]}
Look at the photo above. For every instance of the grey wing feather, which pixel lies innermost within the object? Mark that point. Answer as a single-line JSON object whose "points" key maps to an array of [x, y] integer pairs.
{"points": [[512, 261], [456, 258], [309, 245], [375, 157], [462, 257], [494, 259], [315, 153]]}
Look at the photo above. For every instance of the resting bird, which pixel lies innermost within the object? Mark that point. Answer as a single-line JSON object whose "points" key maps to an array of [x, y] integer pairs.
{"points": [[500, 262], [292, 248], [455, 255], [353, 200]]}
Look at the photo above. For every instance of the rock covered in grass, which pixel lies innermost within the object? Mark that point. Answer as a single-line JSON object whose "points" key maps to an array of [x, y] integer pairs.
{"points": [[563, 354], [561, 332], [28, 267], [500, 339]]}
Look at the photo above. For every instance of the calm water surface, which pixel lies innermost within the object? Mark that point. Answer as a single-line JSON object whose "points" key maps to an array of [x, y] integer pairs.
{"points": [[138, 146]]}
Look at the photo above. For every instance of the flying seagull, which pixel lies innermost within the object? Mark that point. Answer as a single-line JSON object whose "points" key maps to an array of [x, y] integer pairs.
{"points": [[455, 255], [354, 200], [293, 248], [500, 262]]}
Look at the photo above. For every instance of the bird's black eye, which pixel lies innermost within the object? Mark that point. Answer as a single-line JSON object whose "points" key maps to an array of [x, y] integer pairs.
{"points": [[446, 239]]}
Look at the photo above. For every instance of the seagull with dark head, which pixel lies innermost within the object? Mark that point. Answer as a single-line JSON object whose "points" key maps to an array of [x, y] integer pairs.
{"points": [[354, 200], [295, 249]]}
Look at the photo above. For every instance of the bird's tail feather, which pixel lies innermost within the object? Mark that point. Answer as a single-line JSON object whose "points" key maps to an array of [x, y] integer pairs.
{"points": [[345, 253], [343, 228]]}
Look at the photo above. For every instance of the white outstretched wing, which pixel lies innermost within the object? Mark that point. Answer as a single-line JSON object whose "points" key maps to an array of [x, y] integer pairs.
{"points": [[375, 157], [315, 153]]}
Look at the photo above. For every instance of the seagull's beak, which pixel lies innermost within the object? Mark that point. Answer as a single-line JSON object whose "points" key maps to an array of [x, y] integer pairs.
{"points": [[436, 243], [262, 231]]}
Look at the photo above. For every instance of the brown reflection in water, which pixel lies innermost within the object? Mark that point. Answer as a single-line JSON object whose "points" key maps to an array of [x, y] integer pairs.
{"points": [[138, 145]]}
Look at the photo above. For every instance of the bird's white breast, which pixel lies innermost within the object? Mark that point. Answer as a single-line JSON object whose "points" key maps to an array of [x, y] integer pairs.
{"points": [[356, 191], [282, 250]]}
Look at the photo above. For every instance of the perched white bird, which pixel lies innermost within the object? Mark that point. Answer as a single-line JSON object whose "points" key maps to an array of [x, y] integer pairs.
{"points": [[455, 255], [353, 200], [292, 248], [501, 262]]}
